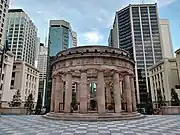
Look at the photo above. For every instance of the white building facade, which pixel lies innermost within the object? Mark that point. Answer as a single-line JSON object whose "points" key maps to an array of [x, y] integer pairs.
{"points": [[42, 61], [42, 67], [74, 39], [22, 34], [24, 78], [6, 79], [164, 76], [167, 45], [4, 6]]}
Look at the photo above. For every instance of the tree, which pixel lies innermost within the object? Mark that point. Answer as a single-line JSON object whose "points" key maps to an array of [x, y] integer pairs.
{"points": [[16, 101], [174, 98], [74, 103], [39, 104], [29, 103]]}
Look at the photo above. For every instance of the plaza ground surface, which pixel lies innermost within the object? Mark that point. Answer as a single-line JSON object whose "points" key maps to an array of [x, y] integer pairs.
{"points": [[32, 125]]}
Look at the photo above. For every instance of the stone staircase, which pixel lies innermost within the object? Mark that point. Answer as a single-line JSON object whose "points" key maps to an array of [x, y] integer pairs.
{"points": [[93, 116]]}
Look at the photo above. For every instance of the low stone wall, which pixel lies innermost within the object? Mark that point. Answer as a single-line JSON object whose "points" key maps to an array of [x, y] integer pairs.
{"points": [[170, 110], [14, 110]]}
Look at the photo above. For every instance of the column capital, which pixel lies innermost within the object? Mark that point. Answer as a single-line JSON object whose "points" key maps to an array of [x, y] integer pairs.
{"points": [[120, 78], [100, 70], [55, 76], [108, 82], [83, 70], [127, 74], [77, 82], [114, 71], [131, 75], [68, 72]]}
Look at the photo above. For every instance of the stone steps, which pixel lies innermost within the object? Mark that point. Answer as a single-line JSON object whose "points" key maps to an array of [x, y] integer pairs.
{"points": [[95, 117]]}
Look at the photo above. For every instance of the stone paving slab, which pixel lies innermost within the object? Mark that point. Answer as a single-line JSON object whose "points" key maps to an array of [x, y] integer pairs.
{"points": [[37, 125]]}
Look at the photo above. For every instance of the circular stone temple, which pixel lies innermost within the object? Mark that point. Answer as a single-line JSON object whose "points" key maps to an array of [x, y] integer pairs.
{"points": [[93, 83]]}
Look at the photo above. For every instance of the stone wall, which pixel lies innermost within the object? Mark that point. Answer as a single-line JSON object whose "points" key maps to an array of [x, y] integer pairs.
{"points": [[170, 110], [15, 111]]}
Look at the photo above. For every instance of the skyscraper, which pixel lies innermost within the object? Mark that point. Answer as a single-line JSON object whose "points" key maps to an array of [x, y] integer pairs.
{"points": [[74, 39], [22, 36], [42, 67], [60, 38], [136, 29], [167, 46], [110, 39], [4, 5], [37, 52], [42, 61]]}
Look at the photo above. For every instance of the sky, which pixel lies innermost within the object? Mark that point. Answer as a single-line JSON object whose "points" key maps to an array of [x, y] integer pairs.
{"points": [[92, 19]]}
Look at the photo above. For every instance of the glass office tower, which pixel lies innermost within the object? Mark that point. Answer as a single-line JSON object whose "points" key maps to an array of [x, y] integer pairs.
{"points": [[60, 38], [136, 29]]}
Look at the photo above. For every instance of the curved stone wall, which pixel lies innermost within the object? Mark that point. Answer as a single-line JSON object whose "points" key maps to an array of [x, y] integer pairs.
{"points": [[111, 69]]}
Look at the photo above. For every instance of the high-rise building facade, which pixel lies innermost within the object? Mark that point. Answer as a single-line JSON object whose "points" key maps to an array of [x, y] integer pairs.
{"points": [[4, 6], [42, 61], [42, 67], [167, 46], [110, 39], [60, 38], [136, 29], [22, 34], [37, 52], [74, 39]]}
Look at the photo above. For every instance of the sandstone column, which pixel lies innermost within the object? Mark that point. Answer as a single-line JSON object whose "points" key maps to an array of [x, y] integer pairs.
{"points": [[57, 94], [101, 92], [108, 93], [127, 90], [133, 94], [61, 94], [117, 96], [53, 93], [68, 93], [83, 92], [121, 90]]}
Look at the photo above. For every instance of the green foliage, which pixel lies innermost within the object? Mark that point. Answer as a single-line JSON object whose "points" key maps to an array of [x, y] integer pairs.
{"points": [[174, 98], [111, 107], [16, 101], [74, 103], [39, 104], [29, 102], [93, 104]]}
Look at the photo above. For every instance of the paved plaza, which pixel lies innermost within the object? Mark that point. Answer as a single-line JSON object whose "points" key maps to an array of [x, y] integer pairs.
{"points": [[37, 125]]}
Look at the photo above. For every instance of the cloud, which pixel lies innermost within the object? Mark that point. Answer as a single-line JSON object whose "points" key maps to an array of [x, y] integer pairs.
{"points": [[39, 12], [93, 37], [84, 15], [164, 3]]}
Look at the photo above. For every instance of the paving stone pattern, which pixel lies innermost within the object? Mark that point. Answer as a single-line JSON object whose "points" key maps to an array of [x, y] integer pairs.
{"points": [[37, 125]]}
